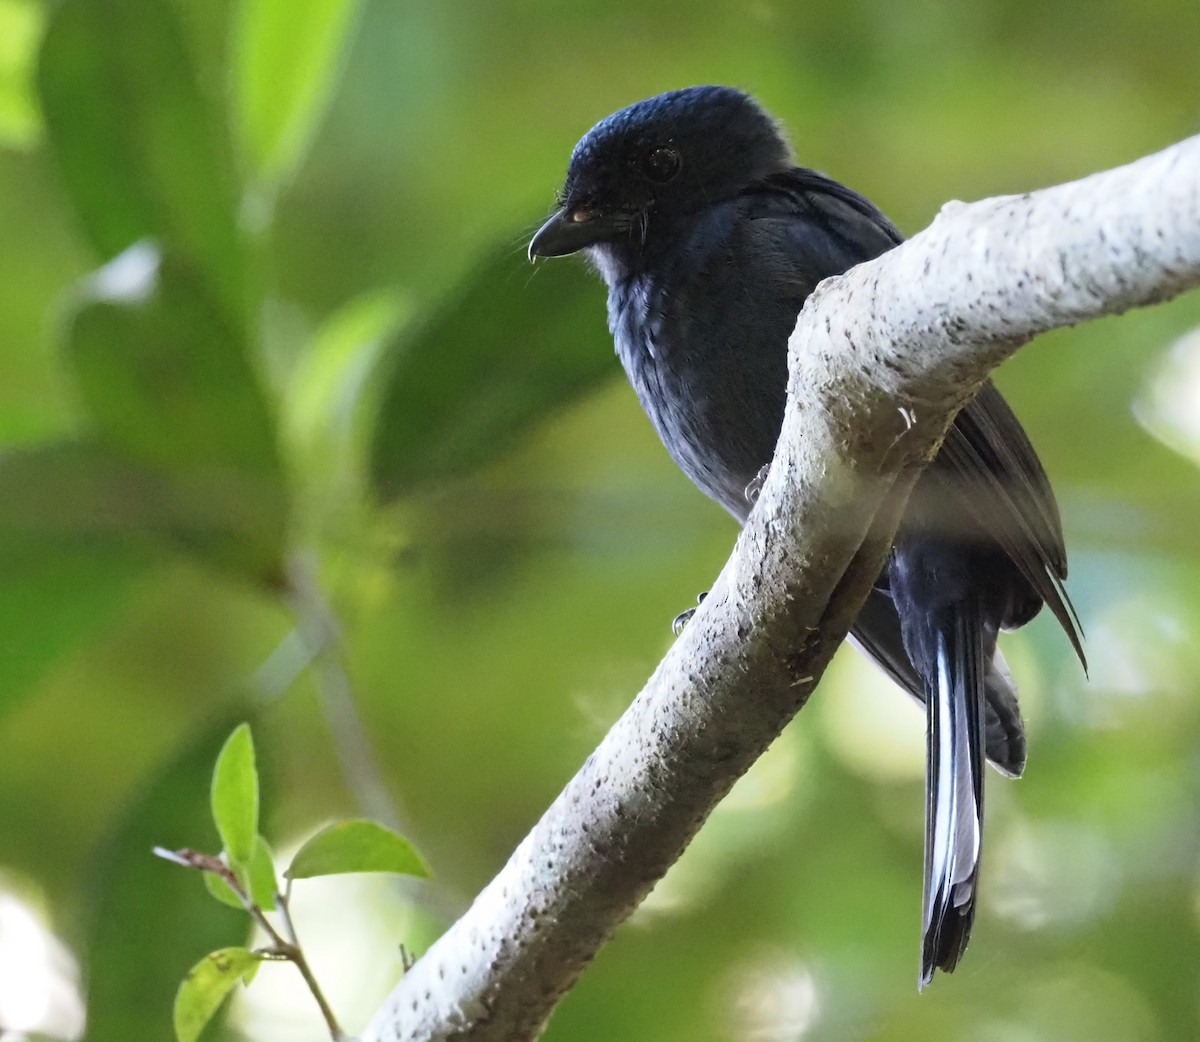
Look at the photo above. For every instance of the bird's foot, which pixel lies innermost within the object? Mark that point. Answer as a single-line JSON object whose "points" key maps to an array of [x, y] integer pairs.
{"points": [[754, 489], [684, 617]]}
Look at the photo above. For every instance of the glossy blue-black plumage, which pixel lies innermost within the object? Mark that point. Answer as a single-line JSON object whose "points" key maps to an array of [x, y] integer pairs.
{"points": [[710, 240]]}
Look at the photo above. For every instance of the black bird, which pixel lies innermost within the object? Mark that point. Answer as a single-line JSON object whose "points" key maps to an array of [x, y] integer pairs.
{"points": [[710, 239]]}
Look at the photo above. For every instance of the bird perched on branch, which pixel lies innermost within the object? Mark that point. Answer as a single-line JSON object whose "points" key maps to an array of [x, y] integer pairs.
{"points": [[710, 239]]}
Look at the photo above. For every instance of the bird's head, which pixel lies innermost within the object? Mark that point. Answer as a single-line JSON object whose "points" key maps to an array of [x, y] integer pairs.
{"points": [[638, 173]]}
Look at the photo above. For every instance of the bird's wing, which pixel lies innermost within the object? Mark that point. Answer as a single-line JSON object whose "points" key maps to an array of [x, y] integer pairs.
{"points": [[824, 228], [1000, 481]]}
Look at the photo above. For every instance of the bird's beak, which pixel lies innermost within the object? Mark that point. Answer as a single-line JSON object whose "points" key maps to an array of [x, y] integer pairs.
{"points": [[570, 230]]}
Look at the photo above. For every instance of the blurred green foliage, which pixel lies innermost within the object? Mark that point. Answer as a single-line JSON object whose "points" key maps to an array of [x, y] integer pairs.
{"points": [[261, 261]]}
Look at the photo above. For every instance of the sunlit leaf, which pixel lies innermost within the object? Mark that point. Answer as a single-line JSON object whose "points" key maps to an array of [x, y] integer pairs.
{"points": [[222, 891], [143, 151], [260, 874], [356, 846], [205, 987], [235, 795], [287, 62], [20, 28], [502, 351], [319, 418], [256, 876]]}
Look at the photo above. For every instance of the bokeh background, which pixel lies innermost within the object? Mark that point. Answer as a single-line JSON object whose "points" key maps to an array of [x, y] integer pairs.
{"points": [[322, 451]]}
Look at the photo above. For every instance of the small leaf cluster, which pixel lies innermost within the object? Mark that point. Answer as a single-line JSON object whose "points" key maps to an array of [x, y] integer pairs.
{"points": [[243, 875]]}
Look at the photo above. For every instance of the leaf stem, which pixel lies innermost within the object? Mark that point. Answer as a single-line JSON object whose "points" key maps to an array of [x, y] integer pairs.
{"points": [[281, 900], [297, 956], [284, 945]]}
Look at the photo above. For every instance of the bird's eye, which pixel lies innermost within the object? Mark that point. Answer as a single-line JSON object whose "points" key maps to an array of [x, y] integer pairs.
{"points": [[662, 165]]}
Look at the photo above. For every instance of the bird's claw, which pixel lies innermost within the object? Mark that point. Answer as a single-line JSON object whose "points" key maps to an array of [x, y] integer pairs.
{"points": [[754, 489], [684, 617]]}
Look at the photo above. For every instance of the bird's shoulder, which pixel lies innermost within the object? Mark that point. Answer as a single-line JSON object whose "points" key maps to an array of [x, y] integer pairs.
{"points": [[830, 225]]}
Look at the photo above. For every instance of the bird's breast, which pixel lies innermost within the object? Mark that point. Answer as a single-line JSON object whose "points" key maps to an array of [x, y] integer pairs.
{"points": [[709, 371]]}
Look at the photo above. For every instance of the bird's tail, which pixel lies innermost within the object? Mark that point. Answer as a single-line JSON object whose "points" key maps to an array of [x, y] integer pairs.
{"points": [[954, 787]]}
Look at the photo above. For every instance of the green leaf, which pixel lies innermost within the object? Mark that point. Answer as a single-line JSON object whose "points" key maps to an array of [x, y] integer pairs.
{"points": [[327, 380], [163, 374], [55, 597], [132, 972], [260, 874], [222, 891], [102, 513], [235, 795], [143, 151], [205, 987], [20, 29], [356, 846], [288, 57], [257, 877], [67, 569], [499, 354], [167, 381], [319, 420]]}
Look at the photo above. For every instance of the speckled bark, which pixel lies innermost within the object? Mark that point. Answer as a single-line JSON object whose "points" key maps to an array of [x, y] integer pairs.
{"points": [[881, 360]]}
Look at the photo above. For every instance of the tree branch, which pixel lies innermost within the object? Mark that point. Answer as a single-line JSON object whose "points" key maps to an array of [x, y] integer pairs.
{"points": [[881, 360]]}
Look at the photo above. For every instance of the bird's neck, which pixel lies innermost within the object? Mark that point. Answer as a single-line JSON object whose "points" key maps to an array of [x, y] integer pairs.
{"points": [[621, 262], [614, 262], [633, 256]]}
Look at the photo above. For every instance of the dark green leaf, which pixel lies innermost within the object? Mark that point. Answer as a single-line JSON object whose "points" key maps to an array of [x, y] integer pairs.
{"points": [[53, 598], [79, 505], [499, 353], [287, 60], [356, 846], [163, 374], [143, 152], [66, 570], [235, 795], [167, 380], [205, 987]]}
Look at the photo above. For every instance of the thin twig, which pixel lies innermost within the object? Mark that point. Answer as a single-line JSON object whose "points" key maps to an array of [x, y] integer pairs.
{"points": [[285, 913], [318, 626], [282, 947], [283, 667], [297, 956]]}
